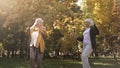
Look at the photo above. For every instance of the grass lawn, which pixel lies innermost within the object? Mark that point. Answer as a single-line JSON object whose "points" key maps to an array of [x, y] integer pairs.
{"points": [[57, 63]]}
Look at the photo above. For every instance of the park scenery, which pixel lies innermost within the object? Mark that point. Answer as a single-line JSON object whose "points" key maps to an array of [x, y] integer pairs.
{"points": [[64, 22]]}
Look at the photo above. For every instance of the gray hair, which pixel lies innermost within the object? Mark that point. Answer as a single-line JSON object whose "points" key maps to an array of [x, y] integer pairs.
{"points": [[90, 20], [36, 21]]}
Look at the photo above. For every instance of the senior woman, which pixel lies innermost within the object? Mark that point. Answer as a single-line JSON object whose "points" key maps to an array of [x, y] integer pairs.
{"points": [[89, 42], [37, 44]]}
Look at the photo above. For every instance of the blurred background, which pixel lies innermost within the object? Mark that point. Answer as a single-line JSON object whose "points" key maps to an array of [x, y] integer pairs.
{"points": [[64, 20]]}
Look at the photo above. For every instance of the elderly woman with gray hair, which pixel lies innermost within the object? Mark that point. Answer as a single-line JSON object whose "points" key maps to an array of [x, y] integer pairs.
{"points": [[89, 42], [37, 44]]}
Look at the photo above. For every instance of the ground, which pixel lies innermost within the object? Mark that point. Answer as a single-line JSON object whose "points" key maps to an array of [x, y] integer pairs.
{"points": [[58, 63]]}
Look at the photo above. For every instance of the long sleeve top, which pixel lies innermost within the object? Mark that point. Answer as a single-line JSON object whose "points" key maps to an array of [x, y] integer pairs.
{"points": [[37, 39], [93, 32]]}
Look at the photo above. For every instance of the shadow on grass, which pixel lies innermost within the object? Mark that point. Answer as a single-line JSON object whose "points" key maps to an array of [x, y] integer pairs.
{"points": [[104, 63], [58, 63], [13, 63]]}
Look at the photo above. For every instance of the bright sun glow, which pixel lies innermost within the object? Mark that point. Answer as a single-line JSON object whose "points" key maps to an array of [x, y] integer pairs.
{"points": [[4, 4], [80, 3]]}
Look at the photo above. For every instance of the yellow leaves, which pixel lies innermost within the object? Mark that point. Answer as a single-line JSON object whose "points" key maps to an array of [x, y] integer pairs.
{"points": [[67, 19], [99, 21], [77, 21], [96, 8], [57, 24]]}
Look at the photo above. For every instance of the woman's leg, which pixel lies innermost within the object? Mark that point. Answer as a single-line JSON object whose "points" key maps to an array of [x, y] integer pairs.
{"points": [[85, 54], [32, 57], [39, 58]]}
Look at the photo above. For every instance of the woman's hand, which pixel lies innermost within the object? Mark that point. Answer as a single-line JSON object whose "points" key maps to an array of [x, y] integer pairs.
{"points": [[43, 28]]}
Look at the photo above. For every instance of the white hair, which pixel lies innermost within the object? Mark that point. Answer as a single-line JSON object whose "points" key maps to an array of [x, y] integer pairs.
{"points": [[36, 21], [90, 20]]}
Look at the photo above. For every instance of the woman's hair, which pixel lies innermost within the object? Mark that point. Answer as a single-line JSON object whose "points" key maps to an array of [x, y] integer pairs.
{"points": [[36, 21], [90, 20]]}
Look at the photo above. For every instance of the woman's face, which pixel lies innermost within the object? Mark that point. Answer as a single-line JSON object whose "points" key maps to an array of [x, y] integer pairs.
{"points": [[87, 24], [39, 23]]}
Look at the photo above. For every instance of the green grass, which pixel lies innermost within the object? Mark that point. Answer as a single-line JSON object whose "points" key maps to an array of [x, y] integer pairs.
{"points": [[57, 63]]}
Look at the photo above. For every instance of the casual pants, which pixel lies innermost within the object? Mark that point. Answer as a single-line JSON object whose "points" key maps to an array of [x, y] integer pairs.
{"points": [[87, 50], [35, 58]]}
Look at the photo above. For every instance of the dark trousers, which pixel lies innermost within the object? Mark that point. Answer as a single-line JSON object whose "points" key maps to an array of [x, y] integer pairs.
{"points": [[35, 58]]}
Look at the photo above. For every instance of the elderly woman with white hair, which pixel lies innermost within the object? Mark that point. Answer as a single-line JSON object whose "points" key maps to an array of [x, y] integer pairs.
{"points": [[37, 43], [89, 42]]}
